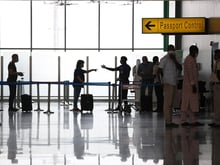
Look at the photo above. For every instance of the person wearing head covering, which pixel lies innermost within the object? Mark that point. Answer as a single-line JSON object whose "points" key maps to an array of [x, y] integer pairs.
{"points": [[12, 78], [137, 81], [216, 89], [124, 73], [158, 86], [169, 68], [190, 90]]}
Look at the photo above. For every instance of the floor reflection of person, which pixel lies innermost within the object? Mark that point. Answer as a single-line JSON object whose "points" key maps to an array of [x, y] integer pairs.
{"points": [[215, 146], [79, 143], [124, 150], [12, 139], [143, 137], [190, 145], [170, 147]]}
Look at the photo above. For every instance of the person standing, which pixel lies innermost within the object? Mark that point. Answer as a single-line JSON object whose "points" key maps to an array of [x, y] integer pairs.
{"points": [[145, 71], [190, 91], [124, 73], [12, 78], [78, 81], [137, 81], [158, 86], [216, 90], [169, 68]]}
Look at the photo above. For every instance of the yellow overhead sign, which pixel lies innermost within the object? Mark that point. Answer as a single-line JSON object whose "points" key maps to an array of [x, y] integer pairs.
{"points": [[213, 25], [173, 25]]}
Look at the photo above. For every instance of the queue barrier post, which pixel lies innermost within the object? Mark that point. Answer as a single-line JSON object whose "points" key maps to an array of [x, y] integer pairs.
{"points": [[48, 105], [66, 93], [38, 98]]}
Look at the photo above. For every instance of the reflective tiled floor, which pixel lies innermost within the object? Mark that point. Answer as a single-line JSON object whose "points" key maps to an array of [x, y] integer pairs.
{"points": [[102, 138]]}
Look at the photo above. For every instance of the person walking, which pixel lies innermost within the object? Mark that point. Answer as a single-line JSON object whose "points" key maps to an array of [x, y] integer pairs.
{"points": [[169, 68], [12, 78], [215, 80], [78, 80], [190, 91], [124, 73]]}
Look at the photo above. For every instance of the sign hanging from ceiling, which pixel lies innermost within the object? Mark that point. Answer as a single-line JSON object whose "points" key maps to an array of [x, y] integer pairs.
{"points": [[174, 25]]}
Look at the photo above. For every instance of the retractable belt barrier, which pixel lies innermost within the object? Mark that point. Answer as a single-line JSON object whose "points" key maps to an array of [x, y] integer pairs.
{"points": [[65, 83]]}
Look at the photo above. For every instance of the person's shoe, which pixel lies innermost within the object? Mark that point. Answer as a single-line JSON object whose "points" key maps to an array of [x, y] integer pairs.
{"points": [[172, 125], [13, 109], [214, 125], [185, 124], [117, 109], [75, 110], [197, 124]]}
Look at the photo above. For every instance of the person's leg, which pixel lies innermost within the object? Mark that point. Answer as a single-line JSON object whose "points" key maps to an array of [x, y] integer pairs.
{"points": [[119, 96], [12, 95], [169, 92], [216, 102], [125, 96], [159, 95], [77, 91]]}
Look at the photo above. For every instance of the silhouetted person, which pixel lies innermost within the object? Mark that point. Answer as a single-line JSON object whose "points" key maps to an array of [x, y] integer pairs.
{"points": [[145, 71], [158, 86], [12, 78], [78, 81], [137, 81], [216, 90], [124, 73]]}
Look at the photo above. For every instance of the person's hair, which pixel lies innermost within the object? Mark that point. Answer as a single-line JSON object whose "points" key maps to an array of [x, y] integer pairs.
{"points": [[171, 47], [79, 63], [14, 55], [144, 58], [124, 58], [193, 50], [155, 58]]}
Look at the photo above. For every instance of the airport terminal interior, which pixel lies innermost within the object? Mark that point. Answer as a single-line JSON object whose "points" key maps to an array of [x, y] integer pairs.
{"points": [[50, 36]]}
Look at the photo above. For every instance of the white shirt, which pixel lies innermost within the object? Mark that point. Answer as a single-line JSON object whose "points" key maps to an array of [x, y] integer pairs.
{"points": [[169, 70]]}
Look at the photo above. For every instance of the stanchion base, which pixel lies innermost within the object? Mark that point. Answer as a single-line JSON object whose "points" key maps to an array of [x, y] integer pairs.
{"points": [[38, 109], [48, 112], [112, 111]]}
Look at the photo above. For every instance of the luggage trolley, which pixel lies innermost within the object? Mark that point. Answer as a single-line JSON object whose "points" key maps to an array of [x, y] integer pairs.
{"points": [[134, 104]]}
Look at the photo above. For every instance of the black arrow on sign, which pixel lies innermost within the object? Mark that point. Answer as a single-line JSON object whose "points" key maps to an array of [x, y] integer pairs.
{"points": [[149, 25]]}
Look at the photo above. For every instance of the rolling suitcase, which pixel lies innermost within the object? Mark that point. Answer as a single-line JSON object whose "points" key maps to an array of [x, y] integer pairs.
{"points": [[86, 102], [26, 102]]}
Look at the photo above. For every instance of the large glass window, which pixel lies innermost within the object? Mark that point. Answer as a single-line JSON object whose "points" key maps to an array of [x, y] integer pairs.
{"points": [[82, 25], [147, 9], [116, 24], [48, 25], [49, 30], [14, 24]]}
